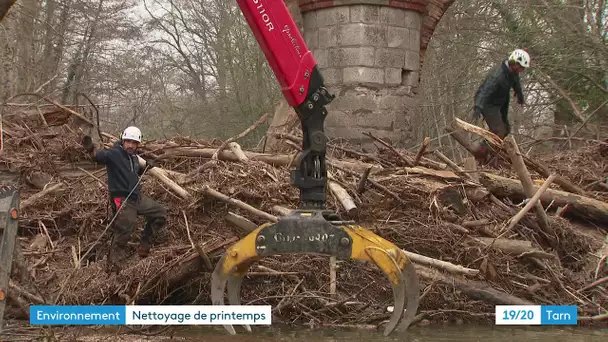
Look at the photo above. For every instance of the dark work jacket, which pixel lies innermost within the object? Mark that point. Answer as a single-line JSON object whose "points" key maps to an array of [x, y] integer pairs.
{"points": [[494, 93], [123, 171]]}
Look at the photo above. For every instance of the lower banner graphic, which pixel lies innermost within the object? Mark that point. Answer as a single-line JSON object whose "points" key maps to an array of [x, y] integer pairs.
{"points": [[150, 314]]}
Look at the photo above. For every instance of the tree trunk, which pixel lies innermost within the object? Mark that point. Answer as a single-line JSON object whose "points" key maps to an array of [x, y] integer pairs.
{"points": [[584, 206]]}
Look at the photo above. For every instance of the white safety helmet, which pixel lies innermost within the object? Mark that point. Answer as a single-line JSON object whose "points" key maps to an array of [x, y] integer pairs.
{"points": [[131, 133], [520, 56]]}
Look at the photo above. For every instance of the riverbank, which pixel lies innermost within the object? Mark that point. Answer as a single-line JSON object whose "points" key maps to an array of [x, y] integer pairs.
{"points": [[453, 225]]}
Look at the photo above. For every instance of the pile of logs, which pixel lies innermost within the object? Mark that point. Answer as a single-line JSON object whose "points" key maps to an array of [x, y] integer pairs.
{"points": [[514, 254]]}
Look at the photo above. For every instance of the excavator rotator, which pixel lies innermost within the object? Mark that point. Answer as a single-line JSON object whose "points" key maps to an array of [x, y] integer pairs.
{"points": [[312, 229]]}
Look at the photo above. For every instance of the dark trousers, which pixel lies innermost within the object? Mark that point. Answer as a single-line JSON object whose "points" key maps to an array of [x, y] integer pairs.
{"points": [[496, 118], [124, 223]]}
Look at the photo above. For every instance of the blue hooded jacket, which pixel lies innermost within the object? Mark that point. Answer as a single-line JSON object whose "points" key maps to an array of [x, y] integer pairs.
{"points": [[123, 171]]}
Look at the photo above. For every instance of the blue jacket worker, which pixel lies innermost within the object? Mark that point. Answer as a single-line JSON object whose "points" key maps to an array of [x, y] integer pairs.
{"points": [[124, 173], [493, 96]]}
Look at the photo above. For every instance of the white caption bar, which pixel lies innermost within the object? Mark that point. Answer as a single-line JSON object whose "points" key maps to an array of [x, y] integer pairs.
{"points": [[198, 314]]}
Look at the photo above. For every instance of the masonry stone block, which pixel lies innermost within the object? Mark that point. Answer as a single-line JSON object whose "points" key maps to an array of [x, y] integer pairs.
{"points": [[351, 56], [392, 76], [370, 118], [332, 76], [328, 37], [333, 15], [363, 75], [415, 39], [362, 34], [410, 78], [322, 57], [311, 38], [365, 14], [392, 102], [352, 101], [392, 58], [310, 20], [412, 20], [397, 37], [392, 16], [412, 60]]}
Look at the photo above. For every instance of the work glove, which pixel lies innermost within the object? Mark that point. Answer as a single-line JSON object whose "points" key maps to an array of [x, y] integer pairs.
{"points": [[520, 99], [150, 163], [87, 143]]}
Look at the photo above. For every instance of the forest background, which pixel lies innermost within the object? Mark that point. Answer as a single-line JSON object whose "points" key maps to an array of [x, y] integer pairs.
{"points": [[193, 68]]}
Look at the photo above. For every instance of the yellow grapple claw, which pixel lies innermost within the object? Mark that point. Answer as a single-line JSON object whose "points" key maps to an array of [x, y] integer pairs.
{"points": [[310, 232]]}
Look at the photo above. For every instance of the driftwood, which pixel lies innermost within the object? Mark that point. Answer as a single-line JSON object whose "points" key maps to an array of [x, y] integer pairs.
{"points": [[526, 181], [241, 222], [238, 152], [584, 206], [280, 210], [474, 289], [162, 176], [422, 149], [532, 202], [424, 161], [272, 159], [238, 203], [497, 144], [362, 181], [439, 264], [343, 197], [49, 190], [226, 155], [514, 247]]}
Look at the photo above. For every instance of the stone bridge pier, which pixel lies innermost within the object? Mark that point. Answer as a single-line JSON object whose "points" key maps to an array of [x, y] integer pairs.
{"points": [[369, 54]]}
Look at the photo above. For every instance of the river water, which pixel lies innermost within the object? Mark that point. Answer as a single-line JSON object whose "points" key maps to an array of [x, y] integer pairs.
{"points": [[460, 333]]}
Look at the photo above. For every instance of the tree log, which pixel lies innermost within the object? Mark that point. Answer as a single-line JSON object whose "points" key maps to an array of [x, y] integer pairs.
{"points": [[162, 176], [474, 289], [343, 197], [514, 247], [497, 143], [241, 222], [272, 159], [443, 265], [533, 201], [32, 199], [423, 146], [238, 203], [526, 181], [584, 206], [281, 211], [238, 152]]}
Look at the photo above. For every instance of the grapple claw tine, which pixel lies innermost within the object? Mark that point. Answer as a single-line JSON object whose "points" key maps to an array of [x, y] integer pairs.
{"points": [[218, 285], [412, 295], [396, 266], [234, 290], [399, 305]]}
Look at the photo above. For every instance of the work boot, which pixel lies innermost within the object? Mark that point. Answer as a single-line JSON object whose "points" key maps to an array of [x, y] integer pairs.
{"points": [[480, 153], [144, 247], [115, 256]]}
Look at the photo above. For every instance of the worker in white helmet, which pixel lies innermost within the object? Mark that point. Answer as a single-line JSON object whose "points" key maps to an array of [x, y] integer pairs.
{"points": [[493, 96], [124, 189]]}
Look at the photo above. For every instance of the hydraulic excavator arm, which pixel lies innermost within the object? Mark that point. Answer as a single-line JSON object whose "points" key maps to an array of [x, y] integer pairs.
{"points": [[312, 228]]}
